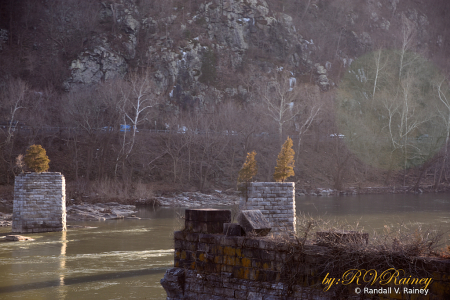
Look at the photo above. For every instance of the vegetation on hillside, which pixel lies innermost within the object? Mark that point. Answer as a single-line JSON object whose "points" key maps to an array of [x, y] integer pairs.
{"points": [[126, 129]]}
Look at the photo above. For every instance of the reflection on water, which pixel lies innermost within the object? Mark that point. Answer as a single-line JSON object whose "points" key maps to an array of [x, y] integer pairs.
{"points": [[120, 259], [62, 266], [125, 259]]}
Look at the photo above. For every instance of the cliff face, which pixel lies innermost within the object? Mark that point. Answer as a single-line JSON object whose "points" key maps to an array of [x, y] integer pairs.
{"points": [[187, 49], [201, 44], [199, 53]]}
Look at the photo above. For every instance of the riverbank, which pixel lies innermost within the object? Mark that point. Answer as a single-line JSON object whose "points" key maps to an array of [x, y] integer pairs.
{"points": [[194, 199], [371, 190], [98, 210], [5, 220], [113, 210]]}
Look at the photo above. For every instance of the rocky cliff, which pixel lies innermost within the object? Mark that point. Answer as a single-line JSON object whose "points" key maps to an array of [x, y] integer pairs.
{"points": [[188, 47], [198, 45]]}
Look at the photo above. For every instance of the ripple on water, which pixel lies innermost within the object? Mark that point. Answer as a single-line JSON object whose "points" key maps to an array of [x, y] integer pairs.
{"points": [[97, 286], [128, 231], [115, 256], [128, 255], [441, 200]]}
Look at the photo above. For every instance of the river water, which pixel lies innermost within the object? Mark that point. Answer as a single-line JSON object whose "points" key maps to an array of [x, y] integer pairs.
{"points": [[125, 259]]}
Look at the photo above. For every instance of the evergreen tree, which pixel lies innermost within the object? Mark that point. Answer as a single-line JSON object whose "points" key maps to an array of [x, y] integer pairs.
{"points": [[249, 169], [285, 162], [36, 159]]}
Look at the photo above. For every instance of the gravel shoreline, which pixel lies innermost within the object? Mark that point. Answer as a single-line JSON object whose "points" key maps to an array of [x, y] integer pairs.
{"points": [[193, 199]]}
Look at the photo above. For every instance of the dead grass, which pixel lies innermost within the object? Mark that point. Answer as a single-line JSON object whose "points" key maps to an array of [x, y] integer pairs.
{"points": [[406, 246], [407, 238]]}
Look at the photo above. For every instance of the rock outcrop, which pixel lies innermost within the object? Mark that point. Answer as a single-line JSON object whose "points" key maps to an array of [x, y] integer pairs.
{"points": [[92, 67], [107, 58], [187, 50], [228, 30], [99, 211]]}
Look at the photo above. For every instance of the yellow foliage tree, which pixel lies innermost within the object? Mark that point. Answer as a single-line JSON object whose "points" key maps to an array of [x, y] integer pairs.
{"points": [[249, 168], [285, 162], [36, 159]]}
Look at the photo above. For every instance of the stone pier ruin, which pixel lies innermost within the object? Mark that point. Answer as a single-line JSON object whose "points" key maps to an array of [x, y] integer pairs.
{"points": [[276, 201], [210, 265], [39, 203]]}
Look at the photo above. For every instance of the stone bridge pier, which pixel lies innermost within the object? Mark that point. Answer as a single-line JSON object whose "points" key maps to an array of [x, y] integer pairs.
{"points": [[39, 203], [276, 201]]}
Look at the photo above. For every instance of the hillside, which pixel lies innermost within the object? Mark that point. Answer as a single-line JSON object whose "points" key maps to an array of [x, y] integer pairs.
{"points": [[177, 92]]}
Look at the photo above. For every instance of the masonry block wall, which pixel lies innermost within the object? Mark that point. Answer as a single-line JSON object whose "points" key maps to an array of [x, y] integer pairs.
{"points": [[214, 266], [39, 203], [276, 200]]}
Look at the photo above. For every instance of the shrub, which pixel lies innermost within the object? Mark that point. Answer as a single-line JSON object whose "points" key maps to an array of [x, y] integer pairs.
{"points": [[285, 162], [249, 168], [36, 159]]}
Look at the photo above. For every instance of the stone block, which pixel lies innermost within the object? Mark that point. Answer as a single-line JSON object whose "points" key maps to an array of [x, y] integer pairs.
{"points": [[254, 222], [232, 229], [208, 215], [206, 220], [204, 227]]}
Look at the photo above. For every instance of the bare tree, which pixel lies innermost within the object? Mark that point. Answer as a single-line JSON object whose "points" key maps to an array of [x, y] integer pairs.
{"points": [[380, 65], [404, 118], [309, 106], [138, 96], [12, 102], [444, 114], [210, 146], [389, 112], [408, 34], [280, 96], [84, 112], [176, 143]]}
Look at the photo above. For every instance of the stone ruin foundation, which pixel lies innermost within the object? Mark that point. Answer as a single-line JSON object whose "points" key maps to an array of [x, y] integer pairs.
{"points": [[213, 266], [276, 201], [39, 203]]}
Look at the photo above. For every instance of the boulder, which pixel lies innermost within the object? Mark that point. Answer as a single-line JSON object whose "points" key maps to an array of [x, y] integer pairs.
{"points": [[18, 238], [173, 283], [254, 223]]}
